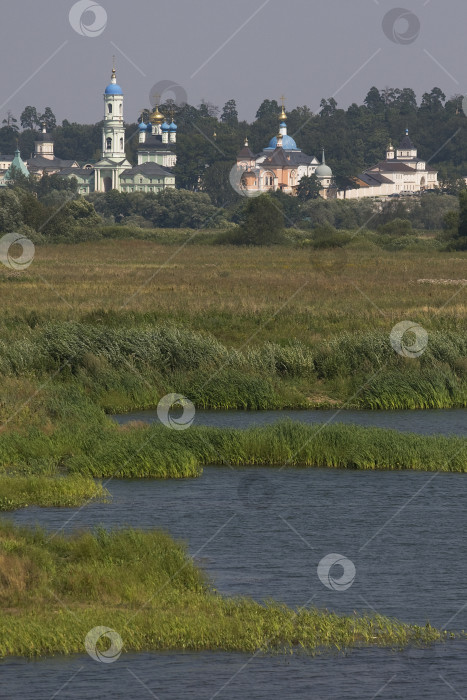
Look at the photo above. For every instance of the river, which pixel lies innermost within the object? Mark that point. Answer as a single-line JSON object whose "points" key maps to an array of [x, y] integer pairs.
{"points": [[262, 532]]}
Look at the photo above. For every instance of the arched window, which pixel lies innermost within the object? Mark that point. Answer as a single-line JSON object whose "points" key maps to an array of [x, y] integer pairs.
{"points": [[109, 144], [121, 108], [121, 144], [109, 108]]}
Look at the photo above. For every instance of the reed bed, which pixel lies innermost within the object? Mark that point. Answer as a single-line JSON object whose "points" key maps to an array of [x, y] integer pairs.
{"points": [[122, 368], [62, 491], [145, 587], [160, 453]]}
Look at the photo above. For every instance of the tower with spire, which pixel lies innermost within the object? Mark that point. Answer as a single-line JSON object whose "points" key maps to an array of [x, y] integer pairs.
{"points": [[113, 162], [113, 131]]}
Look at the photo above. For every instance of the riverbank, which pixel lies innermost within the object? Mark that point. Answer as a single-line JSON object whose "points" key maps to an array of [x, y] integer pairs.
{"points": [[145, 587], [59, 468]]}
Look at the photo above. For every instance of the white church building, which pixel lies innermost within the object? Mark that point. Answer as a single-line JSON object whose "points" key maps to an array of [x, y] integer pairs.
{"points": [[402, 172], [156, 154]]}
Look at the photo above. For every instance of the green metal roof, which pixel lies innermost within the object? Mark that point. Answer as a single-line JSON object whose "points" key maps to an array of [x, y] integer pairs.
{"points": [[18, 164]]}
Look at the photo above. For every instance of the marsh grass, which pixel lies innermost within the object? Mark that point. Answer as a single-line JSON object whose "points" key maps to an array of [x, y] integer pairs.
{"points": [[64, 491], [127, 367], [145, 587]]}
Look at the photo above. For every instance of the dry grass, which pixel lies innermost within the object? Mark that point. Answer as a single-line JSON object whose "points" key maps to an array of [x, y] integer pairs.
{"points": [[276, 293]]}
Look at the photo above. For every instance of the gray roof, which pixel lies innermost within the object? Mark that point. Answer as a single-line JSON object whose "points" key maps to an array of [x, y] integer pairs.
{"points": [[375, 179], [41, 162], [82, 172], [398, 166], [148, 169], [297, 157], [406, 143], [155, 141], [278, 158], [44, 137]]}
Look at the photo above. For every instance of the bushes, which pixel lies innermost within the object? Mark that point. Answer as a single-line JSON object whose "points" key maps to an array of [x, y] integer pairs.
{"points": [[263, 223], [399, 227]]}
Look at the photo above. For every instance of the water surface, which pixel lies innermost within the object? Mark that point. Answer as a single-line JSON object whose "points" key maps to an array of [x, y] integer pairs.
{"points": [[262, 532], [446, 421]]}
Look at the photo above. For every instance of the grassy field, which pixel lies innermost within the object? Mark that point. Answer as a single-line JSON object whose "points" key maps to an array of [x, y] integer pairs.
{"points": [[240, 295], [143, 585], [235, 327]]}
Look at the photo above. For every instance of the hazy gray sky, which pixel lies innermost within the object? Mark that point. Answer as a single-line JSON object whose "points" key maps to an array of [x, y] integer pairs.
{"points": [[221, 49]]}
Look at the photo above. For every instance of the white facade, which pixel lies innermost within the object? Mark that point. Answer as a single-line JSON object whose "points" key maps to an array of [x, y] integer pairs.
{"points": [[401, 172], [113, 162]]}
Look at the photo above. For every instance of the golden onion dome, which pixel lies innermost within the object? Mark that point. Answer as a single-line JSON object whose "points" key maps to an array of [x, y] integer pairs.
{"points": [[157, 117]]}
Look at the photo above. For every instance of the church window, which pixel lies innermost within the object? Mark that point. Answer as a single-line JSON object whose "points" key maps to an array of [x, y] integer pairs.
{"points": [[109, 144], [141, 179], [121, 144], [121, 108], [110, 108]]}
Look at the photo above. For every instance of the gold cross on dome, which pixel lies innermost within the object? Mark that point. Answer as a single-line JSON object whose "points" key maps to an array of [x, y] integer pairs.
{"points": [[282, 99]]}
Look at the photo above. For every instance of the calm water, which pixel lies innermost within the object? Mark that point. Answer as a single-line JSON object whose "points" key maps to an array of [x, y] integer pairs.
{"points": [[447, 422], [262, 532]]}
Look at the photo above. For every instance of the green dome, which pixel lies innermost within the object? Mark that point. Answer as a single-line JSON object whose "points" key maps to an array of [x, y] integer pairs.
{"points": [[323, 171]]}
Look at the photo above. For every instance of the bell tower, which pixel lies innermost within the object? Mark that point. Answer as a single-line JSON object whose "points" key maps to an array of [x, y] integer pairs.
{"points": [[113, 131]]}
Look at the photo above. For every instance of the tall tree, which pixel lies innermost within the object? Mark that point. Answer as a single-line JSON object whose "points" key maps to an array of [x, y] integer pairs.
{"points": [[229, 113], [11, 122], [308, 188], [374, 101], [268, 109], [29, 118], [49, 118], [328, 107], [433, 101]]}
